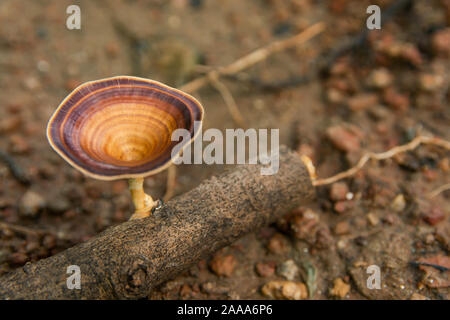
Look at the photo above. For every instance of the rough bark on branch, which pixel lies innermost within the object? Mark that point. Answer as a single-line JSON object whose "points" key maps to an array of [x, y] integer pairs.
{"points": [[128, 260]]}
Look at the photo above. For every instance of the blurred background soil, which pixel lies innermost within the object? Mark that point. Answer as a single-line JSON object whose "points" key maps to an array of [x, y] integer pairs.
{"points": [[376, 96]]}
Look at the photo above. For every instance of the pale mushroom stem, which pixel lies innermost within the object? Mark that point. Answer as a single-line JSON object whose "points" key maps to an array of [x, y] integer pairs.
{"points": [[143, 203]]}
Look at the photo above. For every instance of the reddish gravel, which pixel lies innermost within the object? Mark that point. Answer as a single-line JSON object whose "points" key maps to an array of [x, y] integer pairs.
{"points": [[382, 95]]}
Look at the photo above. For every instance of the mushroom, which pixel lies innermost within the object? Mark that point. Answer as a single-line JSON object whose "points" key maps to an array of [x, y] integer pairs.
{"points": [[121, 128]]}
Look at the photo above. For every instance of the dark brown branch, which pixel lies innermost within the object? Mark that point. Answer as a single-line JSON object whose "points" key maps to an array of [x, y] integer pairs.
{"points": [[129, 260]]}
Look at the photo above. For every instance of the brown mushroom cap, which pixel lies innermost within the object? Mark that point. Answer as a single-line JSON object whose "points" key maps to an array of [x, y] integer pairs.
{"points": [[121, 127]]}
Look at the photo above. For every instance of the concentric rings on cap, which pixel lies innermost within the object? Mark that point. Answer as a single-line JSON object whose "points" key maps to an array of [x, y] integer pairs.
{"points": [[121, 127]]}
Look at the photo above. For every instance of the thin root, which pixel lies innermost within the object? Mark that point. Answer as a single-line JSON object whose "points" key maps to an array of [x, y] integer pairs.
{"points": [[439, 190], [384, 155], [22, 230], [229, 100], [255, 57]]}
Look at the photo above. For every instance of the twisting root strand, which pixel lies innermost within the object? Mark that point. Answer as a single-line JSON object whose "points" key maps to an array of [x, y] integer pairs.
{"points": [[255, 56], [22, 229], [233, 109], [439, 190], [382, 156]]}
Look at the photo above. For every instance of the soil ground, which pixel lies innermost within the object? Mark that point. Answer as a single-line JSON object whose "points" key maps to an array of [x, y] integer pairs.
{"points": [[372, 98]]}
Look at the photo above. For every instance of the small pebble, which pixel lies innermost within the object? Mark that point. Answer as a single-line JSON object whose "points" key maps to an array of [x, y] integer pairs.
{"points": [[399, 203], [30, 204], [43, 66], [303, 225], [362, 101], [223, 265], [342, 228], [185, 291], [444, 164], [31, 83], [265, 269], [417, 296], [340, 288], [213, 288], [431, 82], [288, 270], [334, 95], [441, 42], [338, 191], [277, 244], [342, 206], [18, 258], [434, 215], [396, 100], [429, 238], [344, 139], [373, 219], [411, 53], [430, 174], [285, 290], [380, 78]]}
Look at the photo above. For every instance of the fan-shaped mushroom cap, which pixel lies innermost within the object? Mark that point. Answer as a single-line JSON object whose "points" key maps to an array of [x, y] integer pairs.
{"points": [[121, 127]]}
